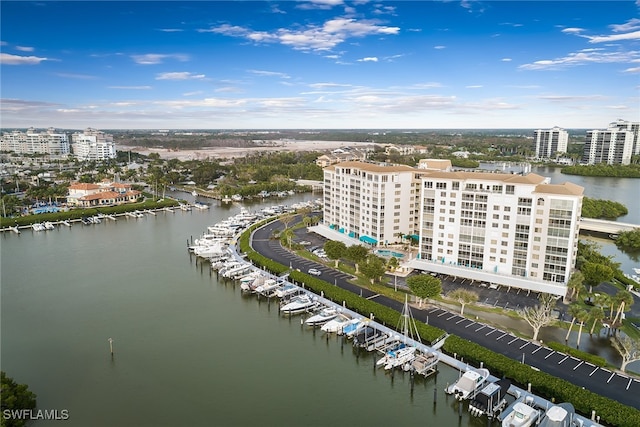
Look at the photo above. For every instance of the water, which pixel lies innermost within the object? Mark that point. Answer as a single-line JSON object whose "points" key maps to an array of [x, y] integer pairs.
{"points": [[188, 349]]}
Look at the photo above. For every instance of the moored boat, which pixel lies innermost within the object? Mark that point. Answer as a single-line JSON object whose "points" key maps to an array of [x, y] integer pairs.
{"points": [[561, 415], [520, 414], [336, 324], [298, 304], [322, 317], [468, 384]]}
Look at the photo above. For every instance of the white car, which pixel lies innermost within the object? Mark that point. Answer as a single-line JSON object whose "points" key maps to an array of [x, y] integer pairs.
{"points": [[314, 272]]}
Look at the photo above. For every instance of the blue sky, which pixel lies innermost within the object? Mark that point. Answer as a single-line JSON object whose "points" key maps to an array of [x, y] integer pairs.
{"points": [[328, 64]]}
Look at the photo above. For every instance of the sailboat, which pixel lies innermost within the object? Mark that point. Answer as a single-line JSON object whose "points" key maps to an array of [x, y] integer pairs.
{"points": [[403, 355]]}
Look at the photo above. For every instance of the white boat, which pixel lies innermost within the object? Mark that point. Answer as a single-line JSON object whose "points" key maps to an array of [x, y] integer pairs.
{"points": [[336, 324], [424, 363], [352, 327], [298, 304], [397, 357], [201, 206], [561, 415], [520, 415], [36, 226], [323, 316], [48, 225], [286, 290], [636, 270], [236, 198], [194, 193], [468, 384], [491, 399], [267, 287]]}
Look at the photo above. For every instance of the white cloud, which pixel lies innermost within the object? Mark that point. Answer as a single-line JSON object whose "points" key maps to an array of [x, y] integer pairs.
{"points": [[573, 30], [439, 47], [180, 75], [130, 87], [312, 37], [158, 58], [269, 74], [76, 76], [170, 30], [632, 24], [196, 92], [506, 60], [368, 59], [474, 87], [319, 4], [633, 70], [581, 58], [635, 35], [9, 59], [25, 48]]}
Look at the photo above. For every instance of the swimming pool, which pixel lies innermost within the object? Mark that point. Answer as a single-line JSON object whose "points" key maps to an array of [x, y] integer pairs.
{"points": [[389, 253]]}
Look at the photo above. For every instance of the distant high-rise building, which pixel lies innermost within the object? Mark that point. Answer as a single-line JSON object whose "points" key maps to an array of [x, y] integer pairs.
{"points": [[32, 142], [630, 126], [548, 142], [613, 146], [93, 144]]}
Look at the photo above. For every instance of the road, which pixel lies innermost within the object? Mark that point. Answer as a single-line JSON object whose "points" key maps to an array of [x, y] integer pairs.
{"points": [[599, 380]]}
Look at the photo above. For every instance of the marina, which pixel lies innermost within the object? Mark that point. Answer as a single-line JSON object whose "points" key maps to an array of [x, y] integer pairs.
{"points": [[155, 314]]}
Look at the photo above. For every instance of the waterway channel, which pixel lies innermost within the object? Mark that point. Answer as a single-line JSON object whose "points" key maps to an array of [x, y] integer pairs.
{"points": [[188, 350]]}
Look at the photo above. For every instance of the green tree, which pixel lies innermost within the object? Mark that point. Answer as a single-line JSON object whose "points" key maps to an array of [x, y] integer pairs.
{"points": [[464, 297], [629, 240], [595, 273], [424, 286], [373, 268], [357, 254], [623, 300], [582, 316], [576, 284], [287, 236], [15, 396], [335, 250], [574, 311], [393, 263], [596, 314], [541, 314]]}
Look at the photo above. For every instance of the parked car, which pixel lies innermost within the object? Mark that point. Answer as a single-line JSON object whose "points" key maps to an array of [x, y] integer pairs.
{"points": [[314, 272]]}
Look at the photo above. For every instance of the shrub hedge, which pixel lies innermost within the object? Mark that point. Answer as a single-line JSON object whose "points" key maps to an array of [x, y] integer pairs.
{"points": [[610, 411], [587, 357]]}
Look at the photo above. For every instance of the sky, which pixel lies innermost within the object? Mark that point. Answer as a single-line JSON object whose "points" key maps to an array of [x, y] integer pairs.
{"points": [[320, 64]]}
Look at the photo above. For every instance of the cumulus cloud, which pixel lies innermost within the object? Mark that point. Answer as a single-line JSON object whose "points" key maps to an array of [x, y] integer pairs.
{"points": [[158, 58], [312, 37], [9, 59], [180, 75], [319, 4], [368, 59]]}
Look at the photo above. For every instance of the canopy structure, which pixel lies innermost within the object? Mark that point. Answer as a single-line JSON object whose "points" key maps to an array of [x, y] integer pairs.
{"points": [[369, 240]]}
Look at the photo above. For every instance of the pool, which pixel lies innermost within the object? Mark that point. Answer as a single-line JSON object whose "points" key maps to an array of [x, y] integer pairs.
{"points": [[389, 253]]}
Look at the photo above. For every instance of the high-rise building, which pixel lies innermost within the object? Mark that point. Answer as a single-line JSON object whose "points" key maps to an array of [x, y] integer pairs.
{"points": [[548, 142], [33, 142], [511, 230], [507, 225], [93, 144], [613, 146], [370, 202], [630, 126]]}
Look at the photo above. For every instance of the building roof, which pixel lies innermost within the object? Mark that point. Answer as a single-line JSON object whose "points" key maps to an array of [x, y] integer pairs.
{"points": [[84, 186], [372, 167], [567, 188], [102, 195], [531, 178]]}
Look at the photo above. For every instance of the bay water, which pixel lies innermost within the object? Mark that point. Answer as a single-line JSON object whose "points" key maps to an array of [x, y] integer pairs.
{"points": [[189, 349]]}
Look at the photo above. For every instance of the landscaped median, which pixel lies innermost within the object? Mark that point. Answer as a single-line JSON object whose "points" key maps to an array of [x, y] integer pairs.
{"points": [[610, 411]]}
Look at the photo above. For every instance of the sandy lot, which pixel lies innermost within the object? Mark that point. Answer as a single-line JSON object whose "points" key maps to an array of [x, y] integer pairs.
{"points": [[231, 152]]}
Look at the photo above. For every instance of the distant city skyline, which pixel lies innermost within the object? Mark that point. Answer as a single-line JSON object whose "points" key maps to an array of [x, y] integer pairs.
{"points": [[320, 64]]}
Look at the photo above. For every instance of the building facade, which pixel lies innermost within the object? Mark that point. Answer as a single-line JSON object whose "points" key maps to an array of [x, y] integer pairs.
{"points": [[103, 194], [33, 142], [548, 142], [513, 230], [93, 144], [633, 127], [369, 202], [614, 145], [510, 225]]}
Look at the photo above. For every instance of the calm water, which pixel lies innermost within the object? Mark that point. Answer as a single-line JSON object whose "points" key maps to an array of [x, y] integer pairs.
{"points": [[188, 350]]}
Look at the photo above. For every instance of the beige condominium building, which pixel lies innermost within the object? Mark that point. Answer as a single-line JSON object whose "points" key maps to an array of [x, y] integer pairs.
{"points": [[504, 229]]}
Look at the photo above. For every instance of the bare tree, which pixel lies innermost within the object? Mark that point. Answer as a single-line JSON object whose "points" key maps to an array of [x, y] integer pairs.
{"points": [[463, 297], [628, 348], [541, 315]]}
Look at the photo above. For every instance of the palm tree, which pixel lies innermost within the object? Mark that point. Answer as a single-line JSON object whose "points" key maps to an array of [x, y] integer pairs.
{"points": [[582, 316], [576, 284], [622, 299], [605, 300], [596, 314], [574, 311]]}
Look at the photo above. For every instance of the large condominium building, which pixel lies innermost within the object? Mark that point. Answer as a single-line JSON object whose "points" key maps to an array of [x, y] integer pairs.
{"points": [[93, 145], [548, 142], [630, 126], [370, 202], [613, 146], [512, 227], [32, 142], [511, 230]]}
